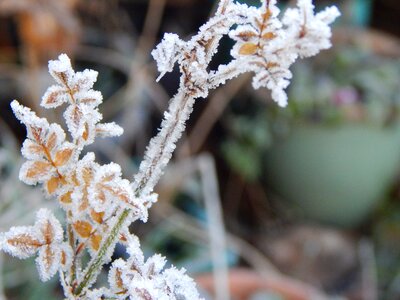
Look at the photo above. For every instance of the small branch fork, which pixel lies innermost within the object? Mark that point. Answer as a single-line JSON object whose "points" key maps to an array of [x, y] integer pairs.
{"points": [[155, 161]]}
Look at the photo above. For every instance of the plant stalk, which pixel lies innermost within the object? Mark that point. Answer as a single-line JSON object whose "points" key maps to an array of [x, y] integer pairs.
{"points": [[97, 263]]}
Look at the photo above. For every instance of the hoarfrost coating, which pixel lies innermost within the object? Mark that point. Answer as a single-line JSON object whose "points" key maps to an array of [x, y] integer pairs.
{"points": [[99, 203]]}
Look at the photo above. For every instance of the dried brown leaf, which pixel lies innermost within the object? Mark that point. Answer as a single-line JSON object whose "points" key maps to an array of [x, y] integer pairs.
{"points": [[246, 35], [33, 148], [51, 141], [118, 278], [63, 156], [97, 216], [24, 241], [52, 98], [248, 49], [83, 228], [52, 184], [85, 134], [38, 169], [48, 233], [268, 35], [95, 241], [66, 198]]}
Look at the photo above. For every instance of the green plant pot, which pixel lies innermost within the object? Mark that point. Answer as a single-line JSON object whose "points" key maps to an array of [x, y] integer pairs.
{"points": [[336, 175]]}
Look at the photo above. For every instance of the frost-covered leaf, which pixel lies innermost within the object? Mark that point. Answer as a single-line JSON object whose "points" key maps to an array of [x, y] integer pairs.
{"points": [[166, 53], [64, 154], [74, 119], [46, 150], [75, 88], [22, 242], [32, 150], [49, 227], [138, 278], [52, 184], [54, 137], [48, 261], [91, 98], [108, 130], [61, 70], [98, 217], [66, 256], [45, 237], [83, 81], [310, 32], [83, 228], [55, 96], [109, 189], [33, 172], [248, 49], [84, 174], [95, 241], [35, 126], [50, 254], [66, 198]]}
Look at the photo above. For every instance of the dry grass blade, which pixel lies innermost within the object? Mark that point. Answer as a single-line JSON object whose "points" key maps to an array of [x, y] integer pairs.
{"points": [[216, 230]]}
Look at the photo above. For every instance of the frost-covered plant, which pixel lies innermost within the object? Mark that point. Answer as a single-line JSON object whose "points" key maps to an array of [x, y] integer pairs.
{"points": [[100, 204]]}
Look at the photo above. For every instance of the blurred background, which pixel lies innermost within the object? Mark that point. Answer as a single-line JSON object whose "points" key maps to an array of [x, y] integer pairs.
{"points": [[259, 202]]}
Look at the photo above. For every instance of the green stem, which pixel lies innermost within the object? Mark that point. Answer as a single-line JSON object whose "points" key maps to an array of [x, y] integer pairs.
{"points": [[71, 239], [98, 261]]}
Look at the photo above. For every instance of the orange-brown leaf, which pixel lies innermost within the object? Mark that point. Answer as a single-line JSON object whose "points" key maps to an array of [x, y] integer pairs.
{"points": [[48, 257], [66, 198], [118, 279], [117, 192], [97, 216], [85, 134], [63, 258], [248, 49], [51, 141], [122, 195], [33, 148], [267, 15], [84, 203], [63, 156], [48, 233], [24, 241], [268, 35], [95, 241], [87, 175], [83, 228], [52, 184], [246, 35], [271, 65], [38, 169], [36, 133], [101, 196], [52, 98]]}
